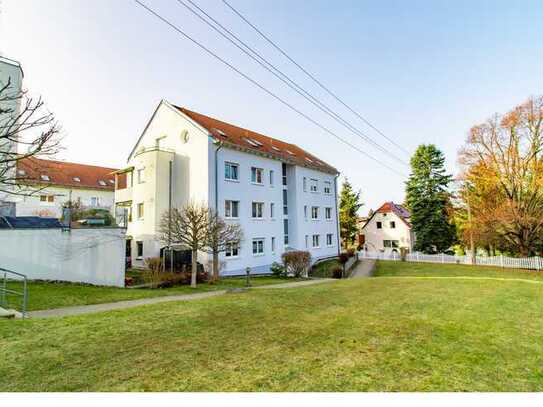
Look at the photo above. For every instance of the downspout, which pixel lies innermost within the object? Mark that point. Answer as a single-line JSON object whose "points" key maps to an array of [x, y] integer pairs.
{"points": [[337, 215], [219, 146]]}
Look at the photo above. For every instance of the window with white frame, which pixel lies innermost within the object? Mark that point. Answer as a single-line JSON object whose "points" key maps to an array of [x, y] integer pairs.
{"points": [[231, 171], [305, 211], [272, 210], [328, 213], [231, 209], [271, 178], [141, 175], [232, 249], [47, 198], [95, 201], [314, 212], [139, 249], [258, 246], [392, 224], [306, 241], [329, 239], [316, 242], [256, 175], [257, 210], [327, 187], [304, 184], [393, 244], [285, 202], [140, 210], [273, 244], [313, 185]]}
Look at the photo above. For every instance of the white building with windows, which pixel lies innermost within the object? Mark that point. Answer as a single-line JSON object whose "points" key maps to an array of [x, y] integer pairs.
{"points": [[53, 183], [283, 197], [388, 229]]}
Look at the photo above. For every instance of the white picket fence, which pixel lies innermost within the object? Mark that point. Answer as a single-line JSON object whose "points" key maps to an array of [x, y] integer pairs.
{"points": [[530, 263]]}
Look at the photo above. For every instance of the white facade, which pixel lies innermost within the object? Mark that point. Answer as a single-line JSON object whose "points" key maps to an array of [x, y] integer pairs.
{"points": [[195, 157], [93, 256], [10, 71], [48, 202], [387, 232]]}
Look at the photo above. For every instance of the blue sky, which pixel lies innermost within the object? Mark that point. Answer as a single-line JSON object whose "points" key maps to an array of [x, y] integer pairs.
{"points": [[421, 71]]}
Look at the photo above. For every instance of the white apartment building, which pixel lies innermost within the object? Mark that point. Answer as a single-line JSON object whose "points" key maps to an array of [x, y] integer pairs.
{"points": [[283, 197], [388, 229], [53, 183], [11, 81]]}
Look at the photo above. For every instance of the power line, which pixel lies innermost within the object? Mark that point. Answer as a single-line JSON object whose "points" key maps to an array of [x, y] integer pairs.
{"points": [[313, 77], [253, 54], [232, 67]]}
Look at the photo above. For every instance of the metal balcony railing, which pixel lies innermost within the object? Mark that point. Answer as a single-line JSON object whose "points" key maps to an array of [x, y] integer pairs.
{"points": [[8, 276]]}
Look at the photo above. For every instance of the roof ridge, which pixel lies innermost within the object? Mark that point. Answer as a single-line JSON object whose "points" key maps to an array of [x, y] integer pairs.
{"points": [[68, 162]]}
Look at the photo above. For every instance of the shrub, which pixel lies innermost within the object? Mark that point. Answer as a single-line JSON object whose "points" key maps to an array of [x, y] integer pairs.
{"points": [[343, 258], [336, 271], [297, 262], [278, 270], [154, 264]]}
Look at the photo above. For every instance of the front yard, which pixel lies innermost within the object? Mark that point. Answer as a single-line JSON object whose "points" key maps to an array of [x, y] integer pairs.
{"points": [[46, 295], [397, 332]]}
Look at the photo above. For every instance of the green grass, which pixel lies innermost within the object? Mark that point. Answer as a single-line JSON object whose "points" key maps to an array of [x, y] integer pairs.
{"points": [[374, 334], [394, 268], [324, 268], [44, 295]]}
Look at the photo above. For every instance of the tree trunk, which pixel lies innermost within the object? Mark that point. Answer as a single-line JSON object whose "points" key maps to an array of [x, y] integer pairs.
{"points": [[194, 270], [215, 265]]}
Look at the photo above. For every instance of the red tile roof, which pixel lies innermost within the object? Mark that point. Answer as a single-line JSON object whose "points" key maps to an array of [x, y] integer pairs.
{"points": [[399, 210], [65, 174], [258, 143]]}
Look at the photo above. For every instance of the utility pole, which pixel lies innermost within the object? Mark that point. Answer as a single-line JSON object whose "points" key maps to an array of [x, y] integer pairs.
{"points": [[471, 243]]}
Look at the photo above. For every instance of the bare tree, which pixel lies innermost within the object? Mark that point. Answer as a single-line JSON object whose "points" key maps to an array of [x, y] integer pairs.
{"points": [[23, 123], [221, 236], [187, 226]]}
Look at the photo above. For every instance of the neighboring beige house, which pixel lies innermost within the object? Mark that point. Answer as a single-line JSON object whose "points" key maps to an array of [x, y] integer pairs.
{"points": [[56, 182], [388, 229]]}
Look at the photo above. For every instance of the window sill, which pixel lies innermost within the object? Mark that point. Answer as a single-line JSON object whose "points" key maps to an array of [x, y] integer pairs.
{"points": [[231, 180], [258, 254], [231, 218], [232, 257], [260, 184], [316, 247], [259, 219]]}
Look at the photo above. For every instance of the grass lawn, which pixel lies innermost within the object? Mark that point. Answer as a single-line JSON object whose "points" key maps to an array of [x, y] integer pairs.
{"points": [[42, 295], [373, 334], [324, 268], [395, 268]]}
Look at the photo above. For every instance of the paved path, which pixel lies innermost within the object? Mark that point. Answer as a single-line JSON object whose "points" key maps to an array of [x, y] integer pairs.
{"points": [[90, 309], [364, 268]]}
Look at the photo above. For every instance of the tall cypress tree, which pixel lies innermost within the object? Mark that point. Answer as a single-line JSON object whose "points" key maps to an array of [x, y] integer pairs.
{"points": [[349, 204], [428, 200]]}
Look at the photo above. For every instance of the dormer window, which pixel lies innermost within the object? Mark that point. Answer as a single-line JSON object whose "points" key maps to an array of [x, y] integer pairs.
{"points": [[102, 183], [21, 172], [45, 178], [221, 133], [290, 152], [276, 149], [76, 179], [308, 159], [253, 142], [112, 181]]}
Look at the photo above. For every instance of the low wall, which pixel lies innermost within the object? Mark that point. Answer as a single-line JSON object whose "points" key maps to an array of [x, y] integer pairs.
{"points": [[94, 256]]}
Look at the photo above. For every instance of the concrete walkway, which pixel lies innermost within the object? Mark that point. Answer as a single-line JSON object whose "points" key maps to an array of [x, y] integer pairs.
{"points": [[364, 268], [90, 309]]}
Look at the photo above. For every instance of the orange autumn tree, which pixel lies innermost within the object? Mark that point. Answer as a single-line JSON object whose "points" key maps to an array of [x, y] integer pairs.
{"points": [[503, 173]]}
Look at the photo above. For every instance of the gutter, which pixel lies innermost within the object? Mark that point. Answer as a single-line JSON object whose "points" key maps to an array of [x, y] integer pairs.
{"points": [[337, 215], [219, 146]]}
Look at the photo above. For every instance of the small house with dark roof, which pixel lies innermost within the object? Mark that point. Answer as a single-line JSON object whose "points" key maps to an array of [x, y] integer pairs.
{"points": [[388, 229], [283, 196]]}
